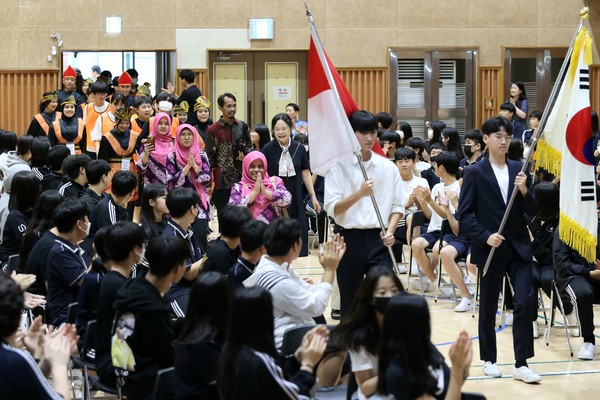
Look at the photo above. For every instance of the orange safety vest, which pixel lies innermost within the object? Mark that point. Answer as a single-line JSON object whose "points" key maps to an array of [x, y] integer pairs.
{"points": [[90, 116], [62, 140], [107, 123]]}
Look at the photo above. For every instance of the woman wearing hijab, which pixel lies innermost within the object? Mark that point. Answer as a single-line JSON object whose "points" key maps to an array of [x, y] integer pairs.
{"points": [[258, 191], [152, 165]]}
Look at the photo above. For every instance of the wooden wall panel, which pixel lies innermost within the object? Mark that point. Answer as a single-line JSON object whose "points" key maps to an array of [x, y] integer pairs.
{"points": [[595, 87], [20, 93], [201, 82], [368, 86], [489, 95]]}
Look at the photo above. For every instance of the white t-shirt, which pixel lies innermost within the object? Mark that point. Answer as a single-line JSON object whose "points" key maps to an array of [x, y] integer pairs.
{"points": [[435, 222], [502, 178], [408, 188], [363, 361]]}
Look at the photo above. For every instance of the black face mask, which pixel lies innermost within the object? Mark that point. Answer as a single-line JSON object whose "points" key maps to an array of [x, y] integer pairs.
{"points": [[381, 304], [468, 150]]}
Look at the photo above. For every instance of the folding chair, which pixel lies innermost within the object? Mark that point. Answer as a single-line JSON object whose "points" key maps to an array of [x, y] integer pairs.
{"points": [[566, 326], [164, 386], [418, 219], [70, 319]]}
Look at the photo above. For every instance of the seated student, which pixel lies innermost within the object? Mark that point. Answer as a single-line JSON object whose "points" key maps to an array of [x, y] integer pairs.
{"points": [[55, 178], [224, 251], [143, 333], [98, 176], [5, 197], [74, 168], [438, 208], [113, 207], [384, 120], [507, 111], [22, 154], [429, 174], [24, 192], [295, 301], [39, 157], [22, 378], [123, 246], [198, 347], [473, 148], [534, 122], [37, 261], [411, 369], [251, 245], [251, 368], [390, 142], [578, 282], [360, 330], [153, 210], [418, 146], [183, 209], [405, 162], [66, 265]]}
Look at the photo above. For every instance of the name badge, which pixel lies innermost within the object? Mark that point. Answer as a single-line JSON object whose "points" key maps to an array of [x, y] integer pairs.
{"points": [[125, 161], [71, 147]]}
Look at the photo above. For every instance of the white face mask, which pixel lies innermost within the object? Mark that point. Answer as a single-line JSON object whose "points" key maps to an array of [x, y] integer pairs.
{"points": [[141, 254], [401, 134], [430, 134], [306, 147], [165, 106], [87, 228]]}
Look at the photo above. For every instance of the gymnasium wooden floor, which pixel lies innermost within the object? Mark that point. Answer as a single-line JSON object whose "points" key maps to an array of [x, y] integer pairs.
{"points": [[563, 377]]}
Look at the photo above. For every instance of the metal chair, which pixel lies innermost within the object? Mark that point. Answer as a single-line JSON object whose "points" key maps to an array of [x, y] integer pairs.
{"points": [[164, 386]]}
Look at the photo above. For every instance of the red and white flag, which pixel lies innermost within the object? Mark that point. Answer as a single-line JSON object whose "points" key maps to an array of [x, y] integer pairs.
{"points": [[329, 106]]}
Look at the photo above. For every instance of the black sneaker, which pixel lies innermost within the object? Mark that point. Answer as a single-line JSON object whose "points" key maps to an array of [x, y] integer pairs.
{"points": [[335, 314]]}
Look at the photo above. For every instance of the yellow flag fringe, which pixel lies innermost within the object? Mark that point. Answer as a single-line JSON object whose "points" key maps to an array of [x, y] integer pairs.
{"points": [[547, 157], [577, 237]]}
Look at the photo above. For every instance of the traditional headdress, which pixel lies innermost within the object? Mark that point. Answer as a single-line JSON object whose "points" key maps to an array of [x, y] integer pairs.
{"points": [[124, 114], [69, 73], [125, 79], [201, 102], [69, 100], [50, 97], [144, 89], [182, 107]]}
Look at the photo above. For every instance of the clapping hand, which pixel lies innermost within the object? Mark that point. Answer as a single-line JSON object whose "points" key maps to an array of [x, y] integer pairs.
{"points": [[332, 252]]}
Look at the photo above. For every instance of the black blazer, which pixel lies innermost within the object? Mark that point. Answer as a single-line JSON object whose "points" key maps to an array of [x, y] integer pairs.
{"points": [[481, 208]]}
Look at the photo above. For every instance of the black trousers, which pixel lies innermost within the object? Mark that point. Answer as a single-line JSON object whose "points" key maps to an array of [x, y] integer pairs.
{"points": [[220, 198], [584, 292], [364, 250], [520, 274]]}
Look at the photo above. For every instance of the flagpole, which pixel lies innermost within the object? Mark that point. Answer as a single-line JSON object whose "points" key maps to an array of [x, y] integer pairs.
{"points": [[584, 13], [357, 154]]}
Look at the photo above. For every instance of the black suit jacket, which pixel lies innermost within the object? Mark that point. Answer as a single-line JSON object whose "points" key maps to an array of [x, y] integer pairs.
{"points": [[481, 208]]}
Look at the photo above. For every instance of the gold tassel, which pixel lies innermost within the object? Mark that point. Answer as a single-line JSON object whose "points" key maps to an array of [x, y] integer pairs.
{"points": [[547, 157], [577, 237]]}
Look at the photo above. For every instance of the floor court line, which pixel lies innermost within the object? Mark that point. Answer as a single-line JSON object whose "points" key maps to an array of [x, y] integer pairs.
{"points": [[563, 373]]}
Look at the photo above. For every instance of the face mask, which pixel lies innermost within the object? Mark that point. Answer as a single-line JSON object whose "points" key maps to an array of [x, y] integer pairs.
{"points": [[381, 304], [468, 150], [165, 106], [306, 147], [141, 254], [87, 228], [401, 134], [430, 134]]}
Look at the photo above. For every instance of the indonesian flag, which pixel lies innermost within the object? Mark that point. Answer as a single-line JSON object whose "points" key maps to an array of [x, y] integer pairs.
{"points": [[329, 106], [566, 148]]}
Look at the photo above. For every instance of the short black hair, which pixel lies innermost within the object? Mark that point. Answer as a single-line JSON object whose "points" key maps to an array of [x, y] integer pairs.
{"points": [[39, 151], [390, 136], [508, 107], [11, 306], [98, 87], [188, 75], [67, 213], [180, 200], [231, 219], [281, 235], [165, 253], [449, 160], [24, 144], [121, 238], [8, 141], [95, 170], [251, 235], [294, 106], [475, 135], [493, 125], [385, 119], [57, 155], [123, 183], [417, 144], [139, 100], [404, 153], [363, 121], [221, 98], [73, 163]]}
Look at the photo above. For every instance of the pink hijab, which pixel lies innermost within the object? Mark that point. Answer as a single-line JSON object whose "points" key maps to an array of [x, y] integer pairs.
{"points": [[261, 202], [182, 155], [162, 143]]}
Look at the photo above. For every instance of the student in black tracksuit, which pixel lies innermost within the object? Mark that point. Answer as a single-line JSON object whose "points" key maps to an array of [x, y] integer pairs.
{"points": [[251, 368], [143, 332]]}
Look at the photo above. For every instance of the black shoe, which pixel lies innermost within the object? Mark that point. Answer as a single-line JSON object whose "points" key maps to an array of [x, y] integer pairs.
{"points": [[335, 314]]}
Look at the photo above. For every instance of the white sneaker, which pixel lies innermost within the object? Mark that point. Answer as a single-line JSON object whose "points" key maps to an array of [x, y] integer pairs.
{"points": [[401, 269], [492, 370], [586, 351], [414, 267], [508, 319], [422, 283], [536, 332], [526, 375], [467, 280], [572, 321], [465, 304]]}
